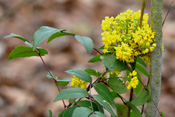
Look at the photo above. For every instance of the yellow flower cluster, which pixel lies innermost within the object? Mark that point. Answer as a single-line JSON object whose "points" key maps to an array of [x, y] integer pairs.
{"points": [[124, 37], [77, 82], [116, 71], [133, 80]]}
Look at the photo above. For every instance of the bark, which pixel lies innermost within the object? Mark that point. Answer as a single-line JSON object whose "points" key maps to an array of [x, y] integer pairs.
{"points": [[156, 58]]}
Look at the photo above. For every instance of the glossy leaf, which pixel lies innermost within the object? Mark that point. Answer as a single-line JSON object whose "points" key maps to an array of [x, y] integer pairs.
{"points": [[81, 112], [29, 44], [93, 72], [103, 91], [61, 114], [71, 93], [122, 110], [86, 42], [59, 34], [86, 103], [112, 63], [95, 59], [141, 61], [63, 82], [16, 36], [80, 74], [50, 113], [69, 111], [162, 115], [142, 70], [42, 34], [97, 114], [100, 108], [141, 99], [134, 108], [117, 85], [105, 104], [23, 51]]}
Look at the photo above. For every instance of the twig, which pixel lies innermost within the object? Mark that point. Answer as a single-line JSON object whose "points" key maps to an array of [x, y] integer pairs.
{"points": [[142, 12], [91, 100], [50, 75], [167, 13], [97, 51]]}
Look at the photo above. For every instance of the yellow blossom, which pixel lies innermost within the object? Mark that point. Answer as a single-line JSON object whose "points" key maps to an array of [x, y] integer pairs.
{"points": [[116, 71], [133, 80], [124, 37], [77, 82]]}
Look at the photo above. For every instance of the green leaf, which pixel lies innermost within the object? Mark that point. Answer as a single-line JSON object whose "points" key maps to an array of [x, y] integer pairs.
{"points": [[63, 82], [23, 51], [59, 34], [141, 99], [138, 89], [42, 34], [134, 109], [104, 103], [81, 112], [69, 111], [29, 44], [141, 61], [103, 91], [97, 114], [80, 74], [162, 115], [142, 70], [86, 103], [112, 63], [61, 114], [93, 72], [16, 36], [122, 110], [86, 42], [100, 108], [117, 85], [133, 114], [71, 93], [50, 113], [95, 59]]}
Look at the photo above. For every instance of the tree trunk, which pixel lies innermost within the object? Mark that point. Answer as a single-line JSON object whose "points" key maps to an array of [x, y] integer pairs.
{"points": [[156, 58]]}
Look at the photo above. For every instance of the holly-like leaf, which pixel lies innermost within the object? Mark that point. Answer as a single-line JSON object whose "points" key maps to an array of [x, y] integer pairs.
{"points": [[69, 111], [142, 98], [23, 51], [95, 59], [81, 112], [117, 85], [71, 93], [50, 113], [63, 82], [42, 34], [104, 103], [112, 63], [142, 70], [86, 42], [134, 109], [16, 36], [97, 114], [80, 74], [122, 110], [59, 34], [86, 103], [93, 72], [141, 61], [104, 92]]}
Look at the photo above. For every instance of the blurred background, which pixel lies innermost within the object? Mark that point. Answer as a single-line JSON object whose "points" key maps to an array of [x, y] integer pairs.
{"points": [[24, 89]]}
